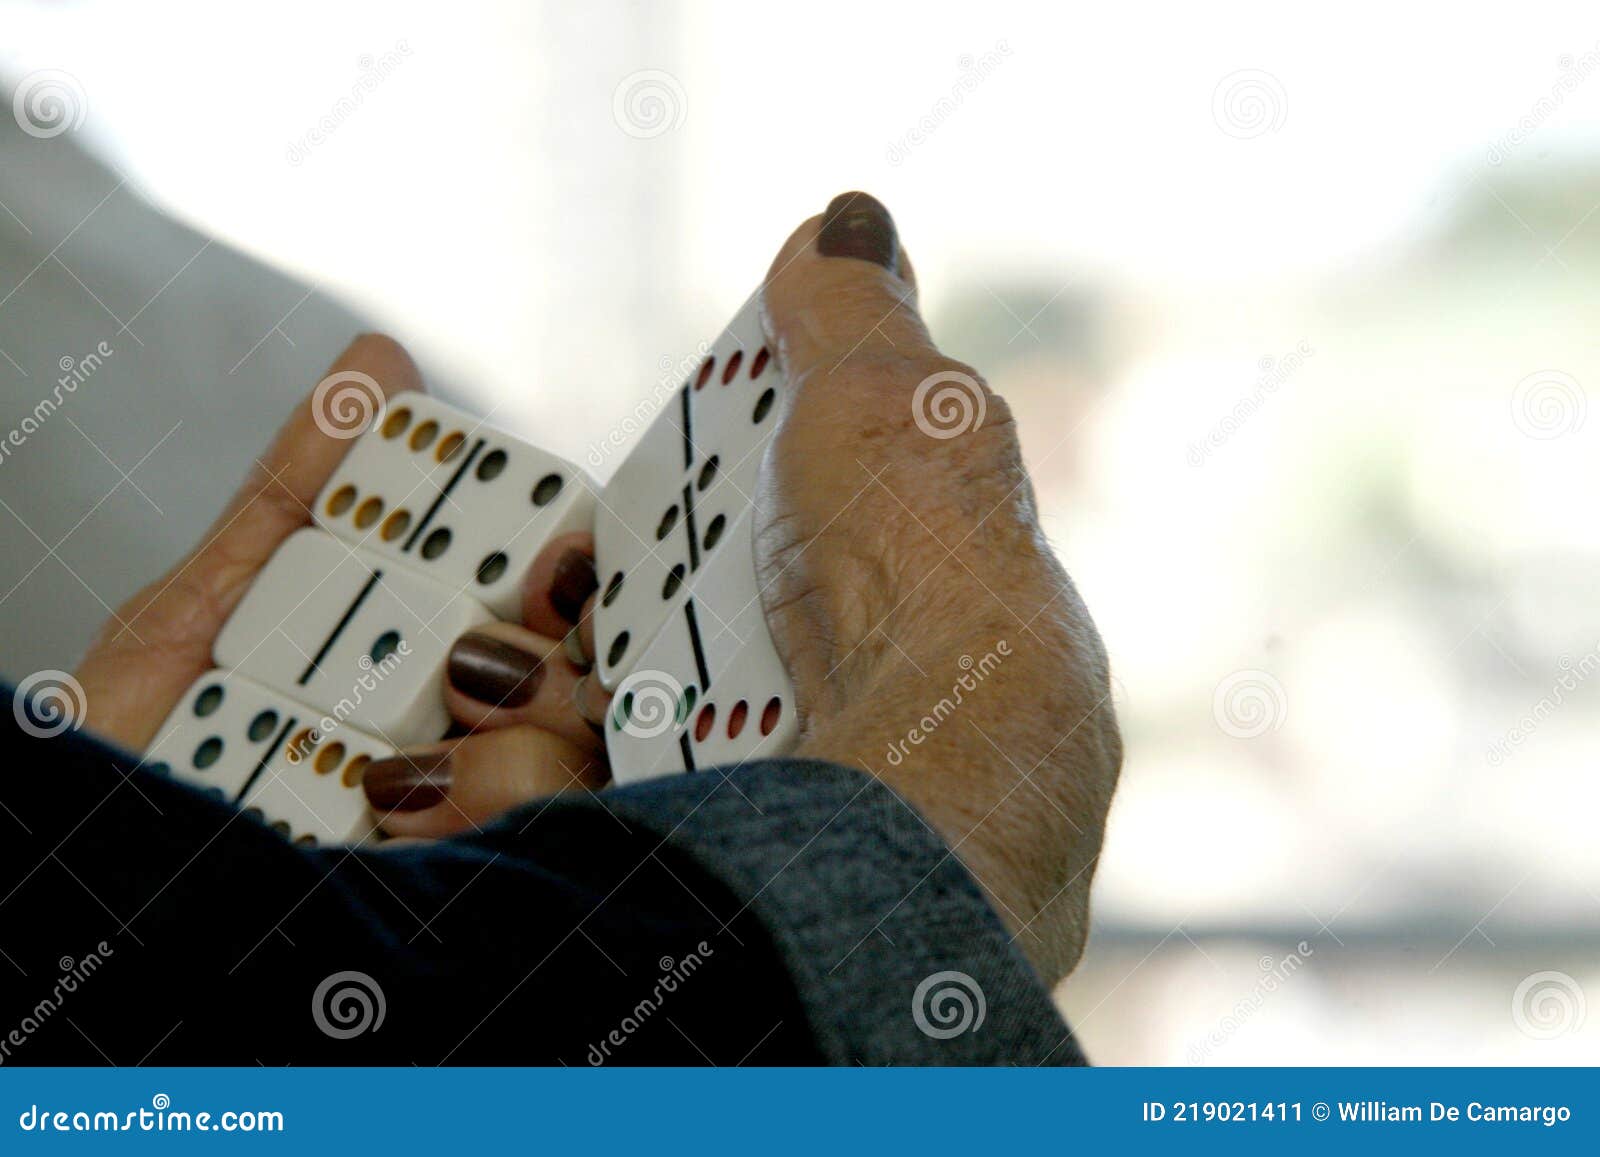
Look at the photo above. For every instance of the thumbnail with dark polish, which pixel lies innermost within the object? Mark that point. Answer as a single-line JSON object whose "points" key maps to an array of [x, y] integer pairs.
{"points": [[857, 225]]}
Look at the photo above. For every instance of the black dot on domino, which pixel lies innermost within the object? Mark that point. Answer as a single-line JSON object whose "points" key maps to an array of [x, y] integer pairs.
{"points": [[714, 531], [491, 465], [547, 489], [763, 406], [613, 588], [159, 768], [674, 581], [437, 542], [208, 700], [207, 753], [385, 645], [686, 703], [619, 647], [708, 472], [492, 567], [669, 519], [263, 725]]}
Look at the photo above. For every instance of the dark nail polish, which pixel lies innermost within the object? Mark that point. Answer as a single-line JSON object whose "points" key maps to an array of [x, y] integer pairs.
{"points": [[573, 583], [408, 783], [857, 225], [493, 671]]}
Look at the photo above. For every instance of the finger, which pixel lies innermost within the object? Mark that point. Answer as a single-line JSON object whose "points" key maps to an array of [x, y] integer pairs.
{"points": [[558, 582], [841, 287], [503, 675], [462, 785], [160, 640]]}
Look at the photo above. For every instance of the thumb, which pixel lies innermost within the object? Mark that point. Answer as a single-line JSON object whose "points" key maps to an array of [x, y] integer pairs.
{"points": [[842, 286]]}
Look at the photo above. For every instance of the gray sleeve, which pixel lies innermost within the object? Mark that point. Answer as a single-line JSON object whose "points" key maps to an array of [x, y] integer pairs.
{"points": [[893, 950]]}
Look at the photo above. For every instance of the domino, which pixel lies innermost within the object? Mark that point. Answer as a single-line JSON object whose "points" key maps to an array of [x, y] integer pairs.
{"points": [[440, 492], [710, 689], [270, 756], [664, 515], [351, 634]]}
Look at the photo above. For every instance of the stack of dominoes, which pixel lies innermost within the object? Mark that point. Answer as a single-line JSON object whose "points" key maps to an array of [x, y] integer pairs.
{"points": [[336, 655]]}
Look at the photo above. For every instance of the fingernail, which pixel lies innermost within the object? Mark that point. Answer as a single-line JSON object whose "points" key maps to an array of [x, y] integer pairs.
{"points": [[857, 225], [572, 644], [493, 671], [408, 783], [573, 583], [580, 701]]}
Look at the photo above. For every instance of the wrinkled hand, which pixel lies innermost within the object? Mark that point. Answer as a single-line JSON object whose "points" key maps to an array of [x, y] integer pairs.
{"points": [[158, 642], [932, 637]]}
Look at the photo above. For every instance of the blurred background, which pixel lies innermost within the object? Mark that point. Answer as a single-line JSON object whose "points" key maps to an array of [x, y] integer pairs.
{"points": [[1297, 314]]}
